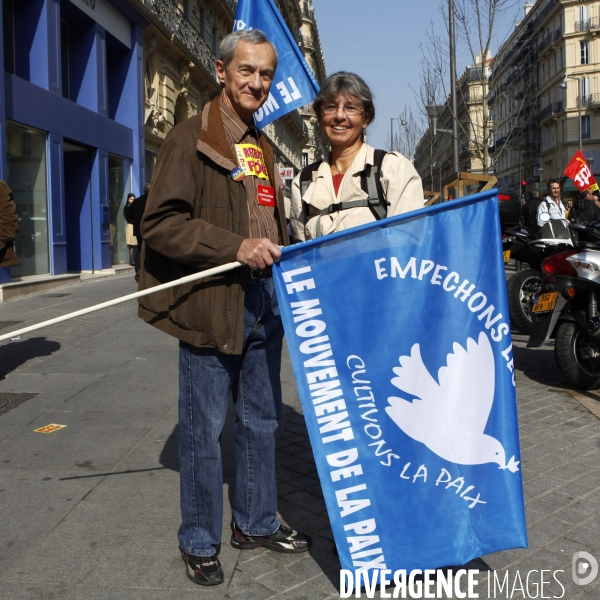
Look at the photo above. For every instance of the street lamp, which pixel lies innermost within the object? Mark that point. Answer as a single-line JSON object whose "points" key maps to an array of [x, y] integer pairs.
{"points": [[402, 122], [564, 86], [433, 112], [453, 98]]}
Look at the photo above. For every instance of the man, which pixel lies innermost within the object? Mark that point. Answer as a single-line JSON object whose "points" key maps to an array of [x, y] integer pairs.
{"points": [[9, 228], [552, 204], [215, 199], [529, 210], [584, 209]]}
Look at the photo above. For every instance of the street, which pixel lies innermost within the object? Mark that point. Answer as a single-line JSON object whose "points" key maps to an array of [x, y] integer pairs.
{"points": [[91, 510]]}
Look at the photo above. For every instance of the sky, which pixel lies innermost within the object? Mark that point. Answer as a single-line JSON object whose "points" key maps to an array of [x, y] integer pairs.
{"points": [[379, 40]]}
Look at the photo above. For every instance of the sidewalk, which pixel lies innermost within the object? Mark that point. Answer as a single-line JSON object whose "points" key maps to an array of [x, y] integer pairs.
{"points": [[91, 511]]}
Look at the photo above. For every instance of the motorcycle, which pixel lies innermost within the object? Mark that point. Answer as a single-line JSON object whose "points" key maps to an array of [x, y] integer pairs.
{"points": [[524, 286], [567, 309]]}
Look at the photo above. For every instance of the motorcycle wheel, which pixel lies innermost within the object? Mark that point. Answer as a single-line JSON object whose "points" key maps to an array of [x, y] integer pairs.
{"points": [[578, 356], [522, 288]]}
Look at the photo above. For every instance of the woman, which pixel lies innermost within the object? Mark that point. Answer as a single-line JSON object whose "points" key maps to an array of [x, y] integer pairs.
{"points": [[332, 195], [130, 239]]}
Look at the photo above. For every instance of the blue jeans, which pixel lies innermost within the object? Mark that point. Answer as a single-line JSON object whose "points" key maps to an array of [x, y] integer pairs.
{"points": [[206, 376]]}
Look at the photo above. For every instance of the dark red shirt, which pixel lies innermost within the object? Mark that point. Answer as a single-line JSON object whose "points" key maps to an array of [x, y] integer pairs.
{"points": [[337, 181]]}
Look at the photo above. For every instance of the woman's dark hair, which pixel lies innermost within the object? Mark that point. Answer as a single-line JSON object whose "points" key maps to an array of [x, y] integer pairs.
{"points": [[130, 195], [351, 84]]}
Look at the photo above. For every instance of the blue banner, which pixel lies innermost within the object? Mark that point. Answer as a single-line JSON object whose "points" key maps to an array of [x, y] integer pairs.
{"points": [[294, 85], [400, 340]]}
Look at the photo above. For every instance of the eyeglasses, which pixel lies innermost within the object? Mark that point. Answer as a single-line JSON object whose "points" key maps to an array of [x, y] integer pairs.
{"points": [[349, 109]]}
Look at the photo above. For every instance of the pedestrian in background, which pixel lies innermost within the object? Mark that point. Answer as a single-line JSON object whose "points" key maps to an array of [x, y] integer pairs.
{"points": [[584, 209], [209, 206], [332, 197], [552, 204], [9, 228], [135, 212], [130, 238]]}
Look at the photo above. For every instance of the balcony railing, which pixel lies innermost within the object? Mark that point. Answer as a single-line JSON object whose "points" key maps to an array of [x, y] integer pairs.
{"points": [[591, 100], [173, 19], [501, 141], [551, 109], [548, 39], [587, 24], [513, 77]]}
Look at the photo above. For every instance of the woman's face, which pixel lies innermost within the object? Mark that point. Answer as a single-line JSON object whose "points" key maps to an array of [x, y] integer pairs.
{"points": [[342, 129]]}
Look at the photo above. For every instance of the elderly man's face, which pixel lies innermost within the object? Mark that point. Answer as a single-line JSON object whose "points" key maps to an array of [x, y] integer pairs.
{"points": [[247, 79]]}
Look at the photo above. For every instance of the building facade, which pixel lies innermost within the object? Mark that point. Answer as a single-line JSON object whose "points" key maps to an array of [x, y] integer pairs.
{"points": [[433, 154], [91, 88], [71, 129], [545, 92], [316, 144]]}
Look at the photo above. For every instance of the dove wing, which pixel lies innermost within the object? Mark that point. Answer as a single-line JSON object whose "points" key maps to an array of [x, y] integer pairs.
{"points": [[467, 385], [413, 377]]}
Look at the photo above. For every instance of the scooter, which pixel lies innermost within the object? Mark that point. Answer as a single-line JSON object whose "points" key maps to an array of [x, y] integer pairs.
{"points": [[524, 286], [567, 309]]}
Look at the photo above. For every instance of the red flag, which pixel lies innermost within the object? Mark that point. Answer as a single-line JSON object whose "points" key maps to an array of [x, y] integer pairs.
{"points": [[579, 171]]}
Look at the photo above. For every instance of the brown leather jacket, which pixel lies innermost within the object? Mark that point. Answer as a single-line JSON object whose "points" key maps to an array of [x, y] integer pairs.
{"points": [[196, 218], [9, 226]]}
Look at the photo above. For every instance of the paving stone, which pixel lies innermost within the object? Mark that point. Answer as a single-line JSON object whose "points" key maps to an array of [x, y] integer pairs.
{"points": [[240, 579], [329, 582], [254, 591], [306, 568], [281, 580], [258, 566], [308, 591]]}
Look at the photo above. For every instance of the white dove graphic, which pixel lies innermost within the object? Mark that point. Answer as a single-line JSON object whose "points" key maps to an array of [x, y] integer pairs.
{"points": [[449, 417]]}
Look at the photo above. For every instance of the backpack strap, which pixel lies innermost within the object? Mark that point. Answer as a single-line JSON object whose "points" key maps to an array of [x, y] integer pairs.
{"points": [[306, 177], [370, 182]]}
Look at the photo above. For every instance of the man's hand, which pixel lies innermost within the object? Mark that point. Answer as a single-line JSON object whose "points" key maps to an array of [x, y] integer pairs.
{"points": [[258, 253]]}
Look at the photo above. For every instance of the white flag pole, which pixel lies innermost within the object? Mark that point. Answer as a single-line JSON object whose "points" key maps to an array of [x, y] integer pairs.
{"points": [[158, 288]]}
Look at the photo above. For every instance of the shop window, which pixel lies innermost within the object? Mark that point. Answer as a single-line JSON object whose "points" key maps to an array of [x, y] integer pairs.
{"points": [[26, 158], [149, 80], [117, 68], [584, 51], [8, 16], [150, 164], [119, 185], [24, 39], [586, 127], [215, 41], [203, 23]]}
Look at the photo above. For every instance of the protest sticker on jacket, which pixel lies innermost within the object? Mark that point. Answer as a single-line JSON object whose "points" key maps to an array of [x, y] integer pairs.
{"points": [[294, 84], [400, 341], [579, 171], [251, 161]]}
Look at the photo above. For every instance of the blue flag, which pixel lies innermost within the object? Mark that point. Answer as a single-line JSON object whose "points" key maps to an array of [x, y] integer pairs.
{"points": [[400, 340], [294, 85]]}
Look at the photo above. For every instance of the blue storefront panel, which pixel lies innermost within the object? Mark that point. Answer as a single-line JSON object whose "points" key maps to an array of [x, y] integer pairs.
{"points": [[84, 91]]}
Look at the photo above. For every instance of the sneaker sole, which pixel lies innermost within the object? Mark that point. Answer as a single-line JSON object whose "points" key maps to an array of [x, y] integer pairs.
{"points": [[244, 545], [204, 583]]}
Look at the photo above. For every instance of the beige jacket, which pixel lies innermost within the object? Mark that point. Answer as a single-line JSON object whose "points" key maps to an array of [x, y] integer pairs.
{"points": [[400, 181]]}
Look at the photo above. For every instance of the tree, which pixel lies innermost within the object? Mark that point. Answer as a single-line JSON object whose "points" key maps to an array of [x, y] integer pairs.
{"points": [[406, 139], [476, 23]]}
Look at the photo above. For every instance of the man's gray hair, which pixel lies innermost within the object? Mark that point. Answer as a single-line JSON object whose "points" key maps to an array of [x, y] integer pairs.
{"points": [[351, 84], [230, 42]]}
